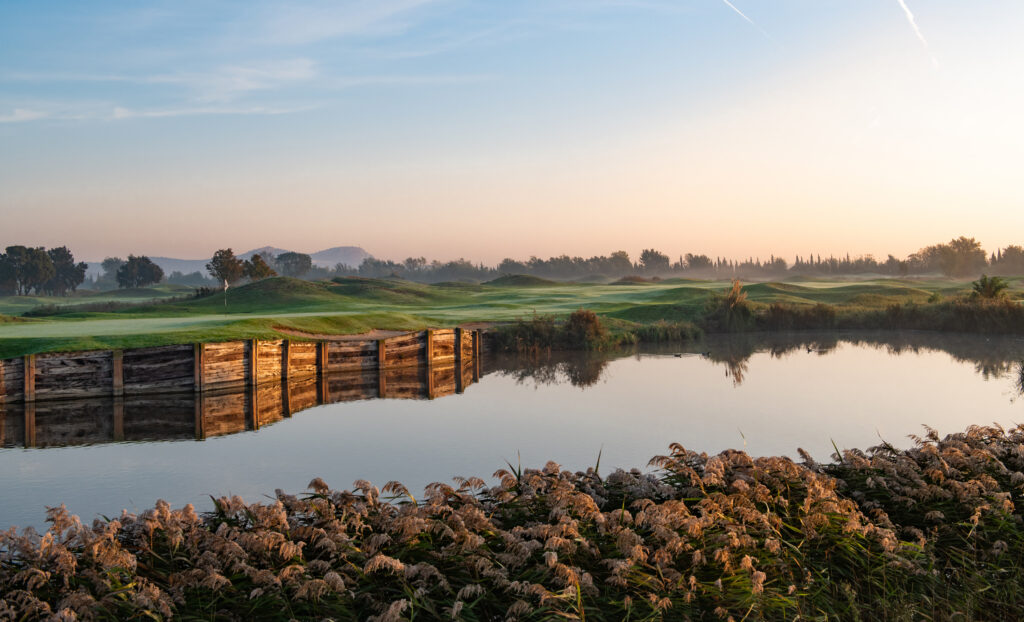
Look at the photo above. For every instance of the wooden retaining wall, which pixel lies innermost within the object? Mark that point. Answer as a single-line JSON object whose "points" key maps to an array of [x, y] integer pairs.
{"points": [[214, 366], [199, 415]]}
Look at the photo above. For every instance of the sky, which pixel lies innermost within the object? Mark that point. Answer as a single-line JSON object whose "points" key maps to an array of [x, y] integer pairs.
{"points": [[484, 130]]}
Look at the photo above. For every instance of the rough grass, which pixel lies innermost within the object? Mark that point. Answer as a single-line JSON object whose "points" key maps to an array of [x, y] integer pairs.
{"points": [[929, 533], [284, 301], [520, 280]]}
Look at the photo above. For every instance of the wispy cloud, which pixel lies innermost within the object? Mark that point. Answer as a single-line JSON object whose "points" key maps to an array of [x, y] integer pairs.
{"points": [[20, 115], [749, 21], [917, 31], [229, 82], [129, 113], [295, 24]]}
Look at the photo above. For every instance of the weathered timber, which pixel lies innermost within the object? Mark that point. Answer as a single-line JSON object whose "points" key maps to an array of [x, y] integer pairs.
{"points": [[117, 373], [218, 366], [163, 369], [12, 380], [30, 378], [302, 359]]}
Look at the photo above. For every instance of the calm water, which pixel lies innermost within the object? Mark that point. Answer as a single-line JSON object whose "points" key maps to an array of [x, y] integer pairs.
{"points": [[768, 396]]}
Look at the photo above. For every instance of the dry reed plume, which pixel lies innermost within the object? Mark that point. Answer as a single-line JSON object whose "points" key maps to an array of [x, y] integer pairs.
{"points": [[933, 532]]}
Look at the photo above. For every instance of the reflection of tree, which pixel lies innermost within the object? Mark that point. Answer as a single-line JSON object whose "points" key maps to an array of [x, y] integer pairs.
{"points": [[992, 358], [736, 369], [580, 369], [1020, 378]]}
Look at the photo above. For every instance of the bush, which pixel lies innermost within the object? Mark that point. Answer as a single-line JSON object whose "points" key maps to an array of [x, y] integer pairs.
{"points": [[583, 330]]}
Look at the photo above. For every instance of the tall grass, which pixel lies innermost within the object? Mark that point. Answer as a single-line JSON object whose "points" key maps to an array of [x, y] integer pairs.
{"points": [[929, 533]]}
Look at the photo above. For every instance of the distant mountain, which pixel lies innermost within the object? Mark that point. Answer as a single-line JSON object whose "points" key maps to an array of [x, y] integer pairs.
{"points": [[327, 258], [348, 255]]}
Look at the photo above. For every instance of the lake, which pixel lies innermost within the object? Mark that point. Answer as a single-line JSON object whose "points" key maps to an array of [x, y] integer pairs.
{"points": [[765, 394]]}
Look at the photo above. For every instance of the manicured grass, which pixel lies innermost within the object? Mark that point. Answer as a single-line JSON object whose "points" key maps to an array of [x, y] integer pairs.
{"points": [[16, 305], [353, 305]]}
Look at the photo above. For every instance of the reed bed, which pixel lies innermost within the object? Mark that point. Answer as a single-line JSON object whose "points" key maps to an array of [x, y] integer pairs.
{"points": [[929, 533]]}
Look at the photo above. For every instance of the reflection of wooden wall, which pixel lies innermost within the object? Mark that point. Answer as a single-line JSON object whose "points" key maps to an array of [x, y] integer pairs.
{"points": [[198, 415], [217, 366]]}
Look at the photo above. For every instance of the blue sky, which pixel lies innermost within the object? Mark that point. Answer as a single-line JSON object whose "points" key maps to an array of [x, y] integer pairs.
{"points": [[451, 128]]}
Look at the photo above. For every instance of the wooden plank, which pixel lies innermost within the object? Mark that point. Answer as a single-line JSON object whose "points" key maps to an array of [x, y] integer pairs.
{"points": [[382, 352], [254, 362], [198, 367], [254, 402], [430, 347], [117, 372], [118, 419], [30, 423], [164, 369], [29, 392], [285, 359], [200, 428]]}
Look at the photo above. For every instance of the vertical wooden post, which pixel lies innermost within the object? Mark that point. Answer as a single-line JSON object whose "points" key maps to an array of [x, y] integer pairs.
{"points": [[324, 389], [254, 362], [382, 353], [118, 419], [477, 335], [321, 357], [286, 398], [117, 371], [199, 408], [198, 367], [30, 424], [30, 380], [254, 404], [286, 360], [430, 346], [459, 341]]}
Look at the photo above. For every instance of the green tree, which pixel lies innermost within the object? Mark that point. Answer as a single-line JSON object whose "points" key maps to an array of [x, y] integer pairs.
{"points": [[990, 287], [139, 272], [698, 262], [294, 264], [619, 263], [225, 267], [654, 261], [68, 274], [26, 268], [256, 269]]}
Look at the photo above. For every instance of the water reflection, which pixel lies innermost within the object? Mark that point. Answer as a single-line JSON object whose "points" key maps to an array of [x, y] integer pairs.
{"points": [[191, 416], [781, 392], [196, 417], [992, 357]]}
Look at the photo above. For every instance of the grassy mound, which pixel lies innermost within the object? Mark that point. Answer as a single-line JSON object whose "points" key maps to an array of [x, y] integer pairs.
{"points": [[520, 280], [393, 291], [934, 532], [267, 296]]}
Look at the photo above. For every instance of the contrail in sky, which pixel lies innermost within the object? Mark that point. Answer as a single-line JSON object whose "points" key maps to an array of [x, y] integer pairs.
{"points": [[913, 24], [749, 21]]}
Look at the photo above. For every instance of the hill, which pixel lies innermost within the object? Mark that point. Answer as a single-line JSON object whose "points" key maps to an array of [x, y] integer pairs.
{"points": [[327, 258]]}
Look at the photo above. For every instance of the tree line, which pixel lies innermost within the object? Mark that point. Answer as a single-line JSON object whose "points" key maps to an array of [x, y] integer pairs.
{"points": [[960, 257], [25, 270]]}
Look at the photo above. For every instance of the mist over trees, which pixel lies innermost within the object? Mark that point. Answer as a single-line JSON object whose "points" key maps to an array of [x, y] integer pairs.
{"points": [[25, 270], [139, 272], [960, 257]]}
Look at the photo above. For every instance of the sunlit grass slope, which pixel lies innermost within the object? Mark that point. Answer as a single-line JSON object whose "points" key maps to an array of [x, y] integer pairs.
{"points": [[279, 306]]}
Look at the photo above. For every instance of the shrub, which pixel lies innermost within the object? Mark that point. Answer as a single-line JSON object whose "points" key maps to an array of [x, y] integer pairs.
{"points": [[583, 330]]}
